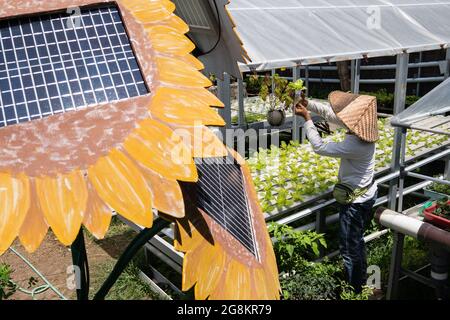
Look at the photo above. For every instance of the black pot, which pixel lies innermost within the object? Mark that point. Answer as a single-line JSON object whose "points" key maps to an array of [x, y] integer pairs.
{"points": [[276, 118]]}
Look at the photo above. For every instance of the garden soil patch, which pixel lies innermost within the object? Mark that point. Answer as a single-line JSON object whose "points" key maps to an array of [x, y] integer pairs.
{"points": [[52, 259]]}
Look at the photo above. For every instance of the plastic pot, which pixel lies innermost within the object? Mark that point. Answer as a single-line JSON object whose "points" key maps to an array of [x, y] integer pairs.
{"points": [[433, 195], [435, 219], [276, 118]]}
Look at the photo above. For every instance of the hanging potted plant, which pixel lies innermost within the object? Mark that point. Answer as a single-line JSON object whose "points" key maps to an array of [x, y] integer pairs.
{"points": [[280, 99]]}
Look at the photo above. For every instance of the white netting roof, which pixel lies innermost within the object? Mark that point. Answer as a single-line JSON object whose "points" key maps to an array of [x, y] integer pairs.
{"points": [[283, 33]]}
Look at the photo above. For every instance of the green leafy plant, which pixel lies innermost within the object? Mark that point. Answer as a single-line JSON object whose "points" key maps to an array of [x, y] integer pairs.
{"points": [[282, 96], [311, 281], [440, 187], [7, 286], [442, 208], [254, 83], [348, 292], [292, 246]]}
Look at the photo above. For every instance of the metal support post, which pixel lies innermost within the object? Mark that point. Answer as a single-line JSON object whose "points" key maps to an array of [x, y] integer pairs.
{"points": [[447, 169], [419, 74], [401, 84], [241, 115], [402, 168], [396, 266], [399, 105], [447, 58], [273, 71], [224, 92], [303, 133], [356, 75], [296, 121]]}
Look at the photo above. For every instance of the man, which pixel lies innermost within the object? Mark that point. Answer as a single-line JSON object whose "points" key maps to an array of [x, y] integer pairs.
{"points": [[358, 114]]}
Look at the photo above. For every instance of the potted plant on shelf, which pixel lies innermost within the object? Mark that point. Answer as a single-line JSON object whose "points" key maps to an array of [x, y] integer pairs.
{"points": [[437, 191], [281, 98], [439, 214]]}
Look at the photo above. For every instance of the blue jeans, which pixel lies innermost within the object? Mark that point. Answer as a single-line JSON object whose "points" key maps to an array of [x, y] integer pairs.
{"points": [[354, 218]]}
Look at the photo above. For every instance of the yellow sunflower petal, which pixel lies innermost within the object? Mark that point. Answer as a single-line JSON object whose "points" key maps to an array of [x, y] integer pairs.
{"points": [[149, 10], [204, 143], [177, 23], [14, 205], [167, 195], [158, 148], [34, 228], [191, 265], [186, 242], [120, 184], [63, 201], [207, 97], [209, 272], [169, 41], [179, 107], [193, 61], [260, 284], [98, 215], [236, 285], [179, 73]]}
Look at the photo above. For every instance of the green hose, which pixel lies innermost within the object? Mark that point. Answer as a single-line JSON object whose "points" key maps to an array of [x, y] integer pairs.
{"points": [[39, 289]]}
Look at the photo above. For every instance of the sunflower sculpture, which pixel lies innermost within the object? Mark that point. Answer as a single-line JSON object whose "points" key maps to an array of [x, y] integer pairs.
{"points": [[136, 156]]}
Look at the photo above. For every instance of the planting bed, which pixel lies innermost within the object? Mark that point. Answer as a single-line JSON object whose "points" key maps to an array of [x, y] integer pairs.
{"points": [[293, 174]]}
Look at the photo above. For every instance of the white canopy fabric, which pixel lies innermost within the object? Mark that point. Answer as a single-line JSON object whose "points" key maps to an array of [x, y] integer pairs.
{"points": [[285, 33], [429, 112]]}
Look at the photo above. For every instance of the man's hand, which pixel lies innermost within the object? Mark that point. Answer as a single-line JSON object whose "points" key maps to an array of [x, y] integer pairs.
{"points": [[300, 110], [303, 101]]}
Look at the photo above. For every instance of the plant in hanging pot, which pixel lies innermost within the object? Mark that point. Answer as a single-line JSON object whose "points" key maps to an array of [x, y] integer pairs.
{"points": [[281, 98]]}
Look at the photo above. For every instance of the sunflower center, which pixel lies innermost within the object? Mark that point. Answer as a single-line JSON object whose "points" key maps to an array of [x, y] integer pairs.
{"points": [[222, 195], [59, 62]]}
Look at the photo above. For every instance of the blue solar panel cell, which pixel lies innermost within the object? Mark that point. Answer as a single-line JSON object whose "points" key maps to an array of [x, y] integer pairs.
{"points": [[222, 196], [47, 66]]}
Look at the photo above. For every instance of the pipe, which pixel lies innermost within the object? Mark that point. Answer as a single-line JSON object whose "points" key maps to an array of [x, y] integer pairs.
{"points": [[412, 227], [440, 262]]}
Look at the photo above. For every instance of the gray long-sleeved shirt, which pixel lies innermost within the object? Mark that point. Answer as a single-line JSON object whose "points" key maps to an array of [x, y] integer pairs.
{"points": [[357, 156]]}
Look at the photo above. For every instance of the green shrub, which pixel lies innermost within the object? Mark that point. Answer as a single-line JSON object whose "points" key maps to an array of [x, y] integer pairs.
{"points": [[7, 287], [292, 247], [312, 281], [319, 281]]}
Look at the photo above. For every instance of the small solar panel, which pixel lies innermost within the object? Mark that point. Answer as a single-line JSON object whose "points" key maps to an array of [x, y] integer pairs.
{"points": [[56, 62], [221, 194], [195, 13]]}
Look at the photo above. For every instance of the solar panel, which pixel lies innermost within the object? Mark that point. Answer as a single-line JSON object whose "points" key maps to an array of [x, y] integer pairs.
{"points": [[195, 13], [222, 195], [49, 65]]}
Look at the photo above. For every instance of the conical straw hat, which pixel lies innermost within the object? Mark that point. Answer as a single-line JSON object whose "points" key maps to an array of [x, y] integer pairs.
{"points": [[357, 112]]}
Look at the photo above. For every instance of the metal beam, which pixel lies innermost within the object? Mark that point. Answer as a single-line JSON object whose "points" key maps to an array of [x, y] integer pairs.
{"points": [[224, 93], [401, 77], [447, 58], [296, 122], [401, 83], [241, 114], [356, 75]]}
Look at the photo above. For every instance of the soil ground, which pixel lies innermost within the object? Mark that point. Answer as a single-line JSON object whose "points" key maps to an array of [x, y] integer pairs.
{"points": [[53, 259]]}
